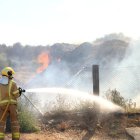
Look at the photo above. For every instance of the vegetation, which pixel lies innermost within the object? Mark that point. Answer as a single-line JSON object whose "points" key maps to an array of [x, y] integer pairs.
{"points": [[65, 103], [115, 97], [3, 60], [20, 56], [26, 56], [26, 119]]}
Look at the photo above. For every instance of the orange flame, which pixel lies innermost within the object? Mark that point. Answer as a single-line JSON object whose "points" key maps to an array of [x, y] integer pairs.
{"points": [[79, 43], [98, 43], [59, 60], [43, 58], [111, 83]]}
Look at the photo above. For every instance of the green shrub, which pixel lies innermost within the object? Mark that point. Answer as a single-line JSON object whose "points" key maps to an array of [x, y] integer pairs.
{"points": [[115, 97], [26, 119]]}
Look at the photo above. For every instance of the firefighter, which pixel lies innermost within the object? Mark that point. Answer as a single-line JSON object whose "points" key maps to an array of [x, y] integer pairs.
{"points": [[7, 88]]}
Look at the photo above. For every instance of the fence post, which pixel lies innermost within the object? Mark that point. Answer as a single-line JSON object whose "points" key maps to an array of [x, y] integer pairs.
{"points": [[95, 75], [94, 112]]}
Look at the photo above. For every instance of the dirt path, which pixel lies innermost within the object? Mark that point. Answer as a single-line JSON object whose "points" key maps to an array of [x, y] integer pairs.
{"points": [[46, 136], [112, 128], [67, 135]]}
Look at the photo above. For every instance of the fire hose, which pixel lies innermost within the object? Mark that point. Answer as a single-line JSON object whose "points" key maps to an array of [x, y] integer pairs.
{"points": [[20, 90], [33, 104]]}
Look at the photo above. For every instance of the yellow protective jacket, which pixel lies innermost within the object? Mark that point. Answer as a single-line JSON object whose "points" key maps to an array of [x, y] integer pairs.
{"points": [[6, 91]]}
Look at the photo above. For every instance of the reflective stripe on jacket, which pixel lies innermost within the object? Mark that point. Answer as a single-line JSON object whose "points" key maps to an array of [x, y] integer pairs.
{"points": [[6, 91]]}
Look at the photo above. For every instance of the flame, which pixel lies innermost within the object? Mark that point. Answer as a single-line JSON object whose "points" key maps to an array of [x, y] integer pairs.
{"points": [[43, 58], [59, 60], [111, 83], [79, 43], [126, 41], [98, 43]]}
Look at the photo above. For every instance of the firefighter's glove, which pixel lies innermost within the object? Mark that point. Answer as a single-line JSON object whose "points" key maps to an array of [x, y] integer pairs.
{"points": [[20, 91]]}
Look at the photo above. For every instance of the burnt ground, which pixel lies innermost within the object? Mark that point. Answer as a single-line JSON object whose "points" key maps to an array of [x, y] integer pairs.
{"points": [[67, 126], [75, 127]]}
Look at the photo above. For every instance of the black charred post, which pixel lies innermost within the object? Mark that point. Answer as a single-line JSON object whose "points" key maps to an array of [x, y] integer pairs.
{"points": [[95, 74], [94, 112]]}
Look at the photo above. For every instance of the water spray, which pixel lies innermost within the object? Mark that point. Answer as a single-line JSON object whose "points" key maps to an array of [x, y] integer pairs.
{"points": [[78, 93]]}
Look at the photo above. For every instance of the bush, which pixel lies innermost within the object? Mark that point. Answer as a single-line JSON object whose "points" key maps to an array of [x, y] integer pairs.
{"points": [[58, 105], [83, 104], [26, 119], [65, 103], [115, 97]]}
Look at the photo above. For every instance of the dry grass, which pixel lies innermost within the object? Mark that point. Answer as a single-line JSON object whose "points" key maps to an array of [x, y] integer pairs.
{"points": [[62, 126]]}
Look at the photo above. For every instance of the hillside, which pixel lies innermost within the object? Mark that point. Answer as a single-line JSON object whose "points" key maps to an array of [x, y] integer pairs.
{"points": [[108, 51], [110, 48]]}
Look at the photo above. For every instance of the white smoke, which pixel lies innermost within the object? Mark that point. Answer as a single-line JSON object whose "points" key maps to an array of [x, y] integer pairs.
{"points": [[124, 76]]}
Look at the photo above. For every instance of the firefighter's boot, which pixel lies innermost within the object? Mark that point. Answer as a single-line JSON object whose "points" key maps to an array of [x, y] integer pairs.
{"points": [[14, 122]]}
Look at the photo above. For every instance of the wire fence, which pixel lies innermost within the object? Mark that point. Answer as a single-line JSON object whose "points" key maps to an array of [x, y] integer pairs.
{"points": [[61, 76], [125, 80]]}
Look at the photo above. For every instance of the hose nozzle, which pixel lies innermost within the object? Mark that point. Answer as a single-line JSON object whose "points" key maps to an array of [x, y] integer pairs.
{"points": [[23, 90]]}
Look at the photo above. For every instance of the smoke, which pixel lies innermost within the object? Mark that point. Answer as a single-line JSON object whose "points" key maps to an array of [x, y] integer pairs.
{"points": [[124, 76], [132, 72], [132, 56], [55, 75], [119, 69], [114, 58], [119, 36]]}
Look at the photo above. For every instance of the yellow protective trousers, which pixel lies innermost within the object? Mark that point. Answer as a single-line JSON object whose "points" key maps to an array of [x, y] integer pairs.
{"points": [[12, 111]]}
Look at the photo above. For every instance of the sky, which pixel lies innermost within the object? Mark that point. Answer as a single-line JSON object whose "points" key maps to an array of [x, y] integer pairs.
{"points": [[45, 22]]}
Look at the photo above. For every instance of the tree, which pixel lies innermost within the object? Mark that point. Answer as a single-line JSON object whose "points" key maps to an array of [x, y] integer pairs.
{"points": [[17, 50], [3, 61]]}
